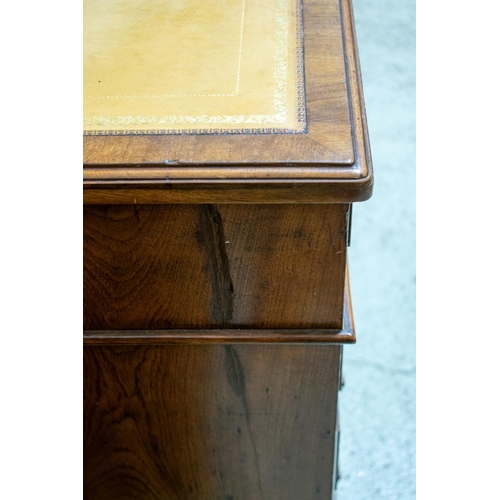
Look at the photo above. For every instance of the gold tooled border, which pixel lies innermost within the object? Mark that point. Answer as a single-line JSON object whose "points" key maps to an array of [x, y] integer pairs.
{"points": [[280, 96]]}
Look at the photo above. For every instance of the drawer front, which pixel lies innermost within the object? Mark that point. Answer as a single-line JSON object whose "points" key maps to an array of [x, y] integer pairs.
{"points": [[214, 266]]}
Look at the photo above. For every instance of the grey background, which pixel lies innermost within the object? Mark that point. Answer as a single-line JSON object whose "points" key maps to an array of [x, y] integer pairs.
{"points": [[377, 403]]}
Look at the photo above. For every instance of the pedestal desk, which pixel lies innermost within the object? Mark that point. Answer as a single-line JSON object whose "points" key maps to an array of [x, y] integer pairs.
{"points": [[224, 145]]}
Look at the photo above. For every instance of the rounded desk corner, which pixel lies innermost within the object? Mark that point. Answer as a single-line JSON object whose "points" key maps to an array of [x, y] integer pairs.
{"points": [[365, 187]]}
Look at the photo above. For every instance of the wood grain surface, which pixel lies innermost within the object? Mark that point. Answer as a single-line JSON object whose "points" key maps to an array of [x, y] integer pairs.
{"points": [[214, 266], [221, 422], [347, 335]]}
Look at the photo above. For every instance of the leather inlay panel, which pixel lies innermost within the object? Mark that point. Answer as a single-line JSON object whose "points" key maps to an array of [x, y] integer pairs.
{"points": [[193, 66]]}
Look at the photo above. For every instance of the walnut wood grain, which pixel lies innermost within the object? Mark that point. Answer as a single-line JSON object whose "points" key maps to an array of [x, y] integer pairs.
{"points": [[278, 193], [213, 336], [152, 267], [330, 163], [214, 422], [346, 335]]}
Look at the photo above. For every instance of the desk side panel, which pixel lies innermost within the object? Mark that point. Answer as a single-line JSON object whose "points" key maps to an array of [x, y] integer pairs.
{"points": [[216, 422]]}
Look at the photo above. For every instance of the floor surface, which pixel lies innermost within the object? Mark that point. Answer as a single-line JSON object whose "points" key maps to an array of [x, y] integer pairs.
{"points": [[377, 403]]}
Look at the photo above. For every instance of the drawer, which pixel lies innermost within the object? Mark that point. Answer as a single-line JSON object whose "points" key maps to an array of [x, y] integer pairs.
{"points": [[214, 266]]}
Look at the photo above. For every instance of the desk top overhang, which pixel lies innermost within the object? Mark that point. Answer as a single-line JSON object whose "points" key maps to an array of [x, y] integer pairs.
{"points": [[235, 101]]}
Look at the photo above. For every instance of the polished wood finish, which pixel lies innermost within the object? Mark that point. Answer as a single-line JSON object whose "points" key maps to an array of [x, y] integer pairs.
{"points": [[152, 267], [209, 422], [329, 163], [213, 336], [346, 335], [177, 404]]}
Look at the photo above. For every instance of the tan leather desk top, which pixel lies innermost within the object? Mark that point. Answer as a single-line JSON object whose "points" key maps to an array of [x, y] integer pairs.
{"points": [[223, 101], [193, 65]]}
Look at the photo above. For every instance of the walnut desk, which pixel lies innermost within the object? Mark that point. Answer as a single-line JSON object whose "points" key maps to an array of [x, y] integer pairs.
{"points": [[224, 143]]}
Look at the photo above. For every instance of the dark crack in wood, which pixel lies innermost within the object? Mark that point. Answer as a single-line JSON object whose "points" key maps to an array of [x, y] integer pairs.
{"points": [[222, 285]]}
